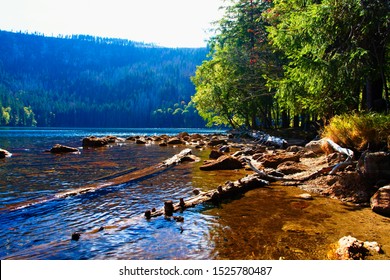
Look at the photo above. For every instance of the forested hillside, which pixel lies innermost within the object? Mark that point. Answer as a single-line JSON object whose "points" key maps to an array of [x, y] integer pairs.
{"points": [[86, 81]]}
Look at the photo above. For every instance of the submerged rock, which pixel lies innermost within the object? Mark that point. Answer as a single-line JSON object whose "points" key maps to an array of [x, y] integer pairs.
{"points": [[4, 153], [380, 201], [60, 149]]}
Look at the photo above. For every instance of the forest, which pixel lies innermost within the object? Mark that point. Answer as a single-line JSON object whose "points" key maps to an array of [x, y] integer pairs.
{"points": [[85, 81], [295, 63], [270, 64]]}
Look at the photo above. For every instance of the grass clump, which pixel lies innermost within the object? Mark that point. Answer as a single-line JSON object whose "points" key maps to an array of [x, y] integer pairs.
{"points": [[360, 131]]}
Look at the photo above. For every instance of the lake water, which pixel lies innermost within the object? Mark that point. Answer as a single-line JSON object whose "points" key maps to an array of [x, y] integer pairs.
{"points": [[267, 223]]}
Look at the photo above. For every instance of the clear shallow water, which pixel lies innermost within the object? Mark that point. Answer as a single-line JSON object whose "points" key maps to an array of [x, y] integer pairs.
{"points": [[267, 223]]}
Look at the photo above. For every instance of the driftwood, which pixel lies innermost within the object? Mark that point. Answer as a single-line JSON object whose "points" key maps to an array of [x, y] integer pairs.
{"points": [[264, 175], [123, 177], [341, 150], [229, 189], [216, 196]]}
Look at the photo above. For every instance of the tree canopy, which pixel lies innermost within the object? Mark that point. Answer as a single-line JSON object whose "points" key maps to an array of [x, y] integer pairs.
{"points": [[275, 61]]}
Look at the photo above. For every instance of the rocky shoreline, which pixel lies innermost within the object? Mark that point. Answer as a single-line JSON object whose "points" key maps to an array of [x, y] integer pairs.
{"points": [[308, 165]]}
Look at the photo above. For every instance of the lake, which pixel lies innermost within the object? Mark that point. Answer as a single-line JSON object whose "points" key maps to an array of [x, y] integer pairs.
{"points": [[266, 223]]}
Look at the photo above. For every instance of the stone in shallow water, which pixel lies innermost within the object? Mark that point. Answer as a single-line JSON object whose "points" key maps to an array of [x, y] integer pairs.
{"points": [[59, 149], [350, 248], [306, 196], [4, 153]]}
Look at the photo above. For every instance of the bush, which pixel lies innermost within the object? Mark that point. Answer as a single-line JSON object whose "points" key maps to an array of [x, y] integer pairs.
{"points": [[360, 131]]}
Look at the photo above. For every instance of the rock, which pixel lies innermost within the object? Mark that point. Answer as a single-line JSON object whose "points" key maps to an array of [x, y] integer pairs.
{"points": [[350, 248], [377, 165], [94, 141], [183, 134], [215, 154], [190, 158], [380, 201], [59, 149], [309, 154], [294, 149], [163, 144], [175, 141], [114, 139], [315, 146], [273, 160], [216, 141], [306, 196], [178, 218], [140, 141], [196, 137], [291, 167], [222, 163], [4, 153]]}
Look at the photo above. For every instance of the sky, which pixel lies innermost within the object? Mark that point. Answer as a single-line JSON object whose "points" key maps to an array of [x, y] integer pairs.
{"points": [[168, 23]]}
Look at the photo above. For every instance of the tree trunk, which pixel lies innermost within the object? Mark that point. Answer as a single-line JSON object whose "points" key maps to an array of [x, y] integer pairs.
{"points": [[374, 101], [285, 120]]}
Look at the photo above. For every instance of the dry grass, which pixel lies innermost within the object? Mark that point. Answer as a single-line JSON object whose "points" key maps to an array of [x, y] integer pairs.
{"points": [[359, 131]]}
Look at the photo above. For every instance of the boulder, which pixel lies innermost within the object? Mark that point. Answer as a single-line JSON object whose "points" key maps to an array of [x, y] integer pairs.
{"points": [[222, 163], [350, 248], [315, 146], [273, 160], [215, 154], [380, 201], [377, 165], [196, 137], [216, 141], [183, 134], [114, 139], [60, 149], [140, 141], [175, 141], [94, 142], [4, 153]]}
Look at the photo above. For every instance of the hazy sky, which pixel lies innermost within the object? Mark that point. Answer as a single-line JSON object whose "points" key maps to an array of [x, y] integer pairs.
{"points": [[170, 23]]}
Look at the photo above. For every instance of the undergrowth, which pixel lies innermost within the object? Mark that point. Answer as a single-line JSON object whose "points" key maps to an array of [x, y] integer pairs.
{"points": [[360, 131]]}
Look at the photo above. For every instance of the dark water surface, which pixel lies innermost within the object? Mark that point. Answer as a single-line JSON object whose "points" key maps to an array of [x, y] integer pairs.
{"points": [[267, 223]]}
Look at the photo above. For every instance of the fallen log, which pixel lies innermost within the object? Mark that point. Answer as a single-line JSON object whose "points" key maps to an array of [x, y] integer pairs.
{"points": [[124, 177], [228, 190], [216, 196]]}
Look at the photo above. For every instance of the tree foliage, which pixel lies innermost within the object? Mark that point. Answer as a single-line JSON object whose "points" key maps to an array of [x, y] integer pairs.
{"points": [[231, 88], [274, 61]]}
